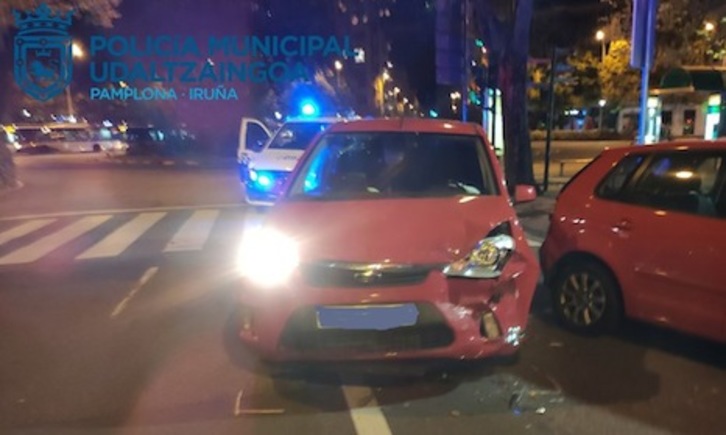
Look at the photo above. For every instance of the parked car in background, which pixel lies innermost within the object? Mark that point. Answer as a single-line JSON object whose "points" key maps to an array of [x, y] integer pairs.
{"points": [[641, 233], [159, 142]]}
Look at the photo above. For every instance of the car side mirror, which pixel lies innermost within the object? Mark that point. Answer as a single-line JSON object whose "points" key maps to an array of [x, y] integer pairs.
{"points": [[523, 193]]}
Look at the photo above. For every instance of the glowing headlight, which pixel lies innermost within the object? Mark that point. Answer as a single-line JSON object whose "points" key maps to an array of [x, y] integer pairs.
{"points": [[486, 260], [267, 257]]}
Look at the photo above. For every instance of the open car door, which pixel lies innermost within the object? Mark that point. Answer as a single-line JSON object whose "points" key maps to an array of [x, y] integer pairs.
{"points": [[253, 136]]}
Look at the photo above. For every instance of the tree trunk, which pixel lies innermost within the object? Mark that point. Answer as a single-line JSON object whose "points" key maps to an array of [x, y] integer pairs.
{"points": [[513, 80], [518, 147]]}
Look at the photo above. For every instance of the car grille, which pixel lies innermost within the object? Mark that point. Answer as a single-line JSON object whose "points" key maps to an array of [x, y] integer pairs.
{"points": [[302, 335], [368, 275]]}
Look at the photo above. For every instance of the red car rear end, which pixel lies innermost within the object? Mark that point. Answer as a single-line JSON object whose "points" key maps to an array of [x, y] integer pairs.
{"points": [[641, 232]]}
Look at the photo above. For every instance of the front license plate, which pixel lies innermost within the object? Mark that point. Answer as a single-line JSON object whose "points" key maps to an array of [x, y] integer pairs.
{"points": [[380, 317]]}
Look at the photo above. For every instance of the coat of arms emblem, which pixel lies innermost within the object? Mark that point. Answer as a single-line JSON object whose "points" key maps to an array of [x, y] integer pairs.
{"points": [[43, 52]]}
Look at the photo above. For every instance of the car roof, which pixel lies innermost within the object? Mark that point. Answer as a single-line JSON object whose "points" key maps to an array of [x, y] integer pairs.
{"points": [[408, 125], [313, 120], [693, 145]]}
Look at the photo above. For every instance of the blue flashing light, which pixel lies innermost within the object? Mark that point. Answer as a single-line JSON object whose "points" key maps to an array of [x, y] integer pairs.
{"points": [[309, 108], [253, 175], [264, 180], [433, 113]]}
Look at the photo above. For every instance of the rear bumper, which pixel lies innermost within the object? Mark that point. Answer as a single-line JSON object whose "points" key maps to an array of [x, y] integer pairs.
{"points": [[280, 325]]}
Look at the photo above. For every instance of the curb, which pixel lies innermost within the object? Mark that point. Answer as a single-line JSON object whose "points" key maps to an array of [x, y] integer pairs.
{"points": [[166, 162]]}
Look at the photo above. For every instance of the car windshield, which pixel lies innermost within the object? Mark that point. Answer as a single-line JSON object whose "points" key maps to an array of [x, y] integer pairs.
{"points": [[297, 136], [384, 165]]}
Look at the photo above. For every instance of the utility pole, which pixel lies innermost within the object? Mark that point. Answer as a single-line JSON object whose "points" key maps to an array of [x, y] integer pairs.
{"points": [[550, 117], [645, 14], [466, 68]]}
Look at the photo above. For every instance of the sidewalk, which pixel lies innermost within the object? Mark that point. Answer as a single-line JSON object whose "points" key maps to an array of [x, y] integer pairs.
{"points": [[535, 215]]}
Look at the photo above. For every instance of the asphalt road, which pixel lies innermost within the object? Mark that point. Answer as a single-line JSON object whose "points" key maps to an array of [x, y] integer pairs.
{"points": [[116, 288]]}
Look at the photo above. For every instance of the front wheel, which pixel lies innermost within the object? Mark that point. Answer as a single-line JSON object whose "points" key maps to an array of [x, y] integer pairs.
{"points": [[586, 298]]}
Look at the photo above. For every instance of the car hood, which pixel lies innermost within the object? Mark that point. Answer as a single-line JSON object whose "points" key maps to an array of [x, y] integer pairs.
{"points": [[276, 160], [404, 231]]}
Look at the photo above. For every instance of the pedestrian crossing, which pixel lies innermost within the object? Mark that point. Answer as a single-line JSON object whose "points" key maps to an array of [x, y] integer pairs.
{"points": [[112, 235]]}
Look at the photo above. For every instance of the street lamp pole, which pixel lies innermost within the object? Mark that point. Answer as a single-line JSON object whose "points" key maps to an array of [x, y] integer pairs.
{"points": [[600, 36], [69, 102], [76, 53]]}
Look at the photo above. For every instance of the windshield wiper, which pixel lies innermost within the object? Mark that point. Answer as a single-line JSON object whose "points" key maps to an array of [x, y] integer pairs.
{"points": [[471, 190]]}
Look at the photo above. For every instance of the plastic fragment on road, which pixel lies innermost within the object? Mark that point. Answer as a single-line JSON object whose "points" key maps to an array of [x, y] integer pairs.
{"points": [[238, 410]]}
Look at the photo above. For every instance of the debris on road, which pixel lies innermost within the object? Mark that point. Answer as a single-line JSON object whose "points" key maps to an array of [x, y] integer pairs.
{"points": [[250, 411], [541, 410], [455, 413]]}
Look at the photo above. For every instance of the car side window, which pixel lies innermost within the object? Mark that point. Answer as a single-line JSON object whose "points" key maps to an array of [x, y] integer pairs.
{"points": [[684, 182], [613, 184], [256, 137]]}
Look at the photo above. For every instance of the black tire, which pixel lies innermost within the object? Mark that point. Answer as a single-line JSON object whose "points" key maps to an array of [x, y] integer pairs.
{"points": [[586, 298], [96, 148]]}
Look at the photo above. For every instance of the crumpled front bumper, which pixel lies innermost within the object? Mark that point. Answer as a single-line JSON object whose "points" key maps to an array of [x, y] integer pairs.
{"points": [[458, 318]]}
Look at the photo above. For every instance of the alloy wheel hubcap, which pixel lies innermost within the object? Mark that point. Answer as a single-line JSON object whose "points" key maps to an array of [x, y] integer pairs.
{"points": [[583, 299]]}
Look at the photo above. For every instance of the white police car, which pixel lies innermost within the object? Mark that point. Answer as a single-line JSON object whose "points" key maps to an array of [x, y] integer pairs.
{"points": [[265, 160]]}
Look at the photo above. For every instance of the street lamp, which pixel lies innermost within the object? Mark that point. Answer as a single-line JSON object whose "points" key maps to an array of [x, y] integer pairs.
{"points": [[600, 36], [709, 26], [602, 103], [338, 68], [77, 52]]}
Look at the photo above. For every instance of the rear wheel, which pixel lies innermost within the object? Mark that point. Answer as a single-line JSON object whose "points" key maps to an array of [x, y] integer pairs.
{"points": [[586, 298], [96, 148]]}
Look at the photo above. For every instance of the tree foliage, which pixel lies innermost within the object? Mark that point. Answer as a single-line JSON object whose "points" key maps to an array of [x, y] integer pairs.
{"points": [[681, 37], [99, 12], [620, 83]]}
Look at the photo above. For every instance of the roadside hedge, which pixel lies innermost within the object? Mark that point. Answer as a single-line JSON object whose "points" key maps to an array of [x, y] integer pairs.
{"points": [[540, 135]]}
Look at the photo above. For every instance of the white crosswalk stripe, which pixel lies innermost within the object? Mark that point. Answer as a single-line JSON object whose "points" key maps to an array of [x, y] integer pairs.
{"points": [[194, 233], [118, 241], [23, 229], [49, 243], [192, 230]]}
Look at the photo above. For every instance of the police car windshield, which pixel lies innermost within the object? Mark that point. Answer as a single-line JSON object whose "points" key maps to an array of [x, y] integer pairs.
{"points": [[297, 136]]}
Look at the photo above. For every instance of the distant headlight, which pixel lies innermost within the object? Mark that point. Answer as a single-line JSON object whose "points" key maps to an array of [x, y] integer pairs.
{"points": [[486, 260], [267, 257]]}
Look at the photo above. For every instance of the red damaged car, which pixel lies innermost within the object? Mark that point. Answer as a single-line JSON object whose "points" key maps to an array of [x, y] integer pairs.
{"points": [[393, 239]]}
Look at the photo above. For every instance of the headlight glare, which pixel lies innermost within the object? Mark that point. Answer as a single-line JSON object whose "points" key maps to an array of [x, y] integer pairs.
{"points": [[267, 257]]}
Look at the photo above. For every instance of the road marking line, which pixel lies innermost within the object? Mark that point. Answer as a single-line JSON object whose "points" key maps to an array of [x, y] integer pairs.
{"points": [[145, 278], [194, 233], [23, 229], [118, 241], [364, 411], [47, 244], [120, 210], [534, 243]]}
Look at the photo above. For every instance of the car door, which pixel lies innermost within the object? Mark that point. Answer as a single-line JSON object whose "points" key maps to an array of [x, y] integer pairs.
{"points": [[253, 137], [675, 240]]}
